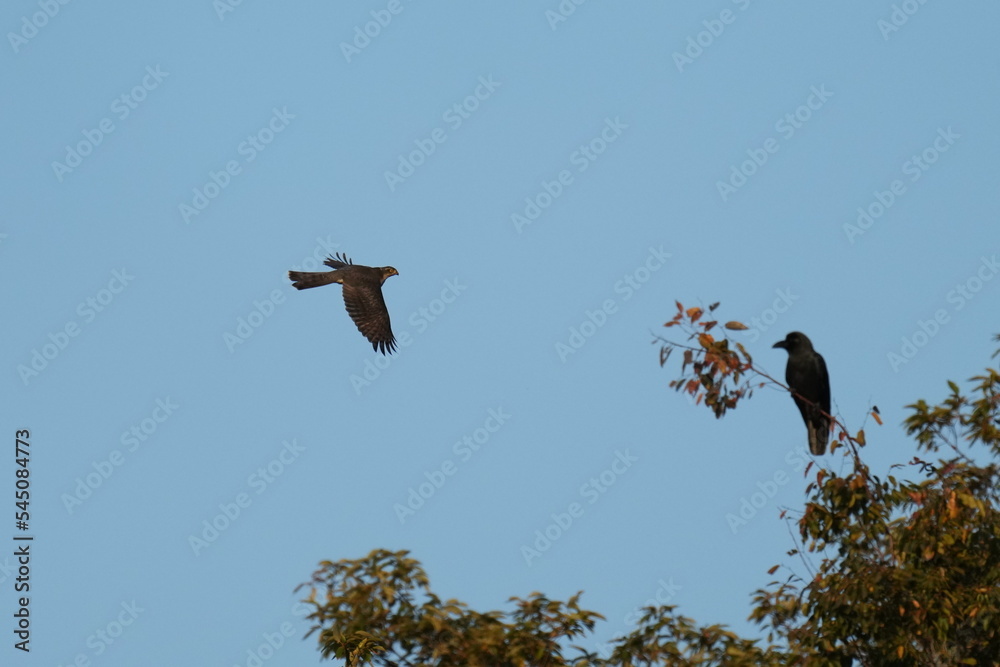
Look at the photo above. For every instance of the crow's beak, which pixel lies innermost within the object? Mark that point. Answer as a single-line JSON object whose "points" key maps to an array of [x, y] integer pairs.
{"points": [[781, 344]]}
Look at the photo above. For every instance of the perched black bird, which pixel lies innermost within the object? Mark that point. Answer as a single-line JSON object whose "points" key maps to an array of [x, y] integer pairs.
{"points": [[806, 375], [362, 296]]}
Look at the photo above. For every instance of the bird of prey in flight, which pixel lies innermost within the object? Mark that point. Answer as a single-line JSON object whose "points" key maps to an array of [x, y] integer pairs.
{"points": [[806, 376], [362, 296]]}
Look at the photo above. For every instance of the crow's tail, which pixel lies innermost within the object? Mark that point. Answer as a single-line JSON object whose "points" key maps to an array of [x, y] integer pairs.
{"points": [[819, 435], [307, 279]]}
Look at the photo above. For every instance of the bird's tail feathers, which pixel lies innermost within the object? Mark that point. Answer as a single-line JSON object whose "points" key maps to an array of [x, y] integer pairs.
{"points": [[819, 435], [307, 279]]}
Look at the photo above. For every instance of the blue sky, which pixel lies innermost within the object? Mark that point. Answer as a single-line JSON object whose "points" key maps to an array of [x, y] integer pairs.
{"points": [[547, 182]]}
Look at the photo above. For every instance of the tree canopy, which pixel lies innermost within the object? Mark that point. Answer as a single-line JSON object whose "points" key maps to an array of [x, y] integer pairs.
{"points": [[904, 571]]}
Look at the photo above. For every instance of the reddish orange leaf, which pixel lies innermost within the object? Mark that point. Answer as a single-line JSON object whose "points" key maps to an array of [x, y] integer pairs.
{"points": [[705, 340], [878, 420], [736, 326], [694, 313]]}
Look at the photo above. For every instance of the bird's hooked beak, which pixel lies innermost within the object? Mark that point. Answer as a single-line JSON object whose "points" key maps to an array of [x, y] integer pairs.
{"points": [[782, 344]]}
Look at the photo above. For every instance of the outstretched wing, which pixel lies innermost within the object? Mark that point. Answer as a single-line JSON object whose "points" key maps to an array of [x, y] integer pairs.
{"points": [[338, 261], [367, 308]]}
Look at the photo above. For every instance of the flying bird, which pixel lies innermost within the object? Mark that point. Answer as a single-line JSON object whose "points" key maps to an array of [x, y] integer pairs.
{"points": [[362, 296], [806, 376]]}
